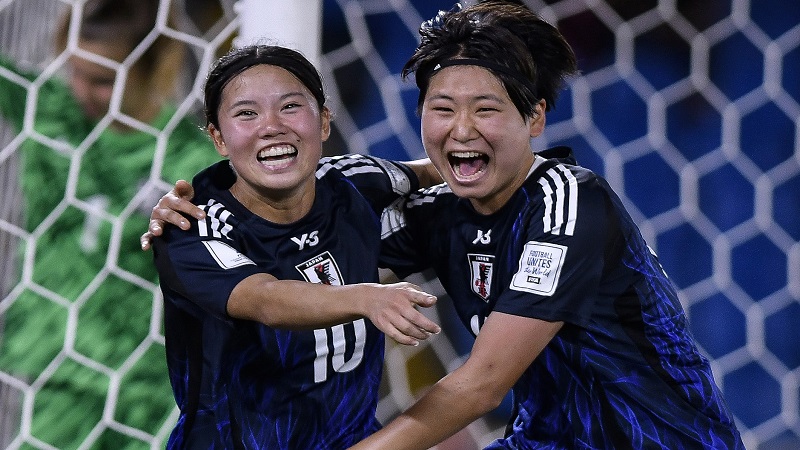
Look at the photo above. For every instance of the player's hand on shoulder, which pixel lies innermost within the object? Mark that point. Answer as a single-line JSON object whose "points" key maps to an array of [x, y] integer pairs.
{"points": [[168, 209], [393, 309]]}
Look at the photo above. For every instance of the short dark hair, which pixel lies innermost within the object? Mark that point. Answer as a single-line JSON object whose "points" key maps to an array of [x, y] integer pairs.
{"points": [[534, 57], [239, 59]]}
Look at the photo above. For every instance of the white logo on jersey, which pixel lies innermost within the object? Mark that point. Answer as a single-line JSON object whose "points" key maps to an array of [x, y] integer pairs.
{"points": [[480, 266], [321, 269], [539, 268], [483, 238], [311, 239], [226, 256]]}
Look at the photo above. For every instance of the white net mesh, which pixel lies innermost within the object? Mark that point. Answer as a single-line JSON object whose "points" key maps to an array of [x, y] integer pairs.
{"points": [[690, 109]]}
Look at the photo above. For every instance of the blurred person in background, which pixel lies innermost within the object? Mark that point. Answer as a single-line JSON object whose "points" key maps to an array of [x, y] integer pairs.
{"points": [[84, 146]]}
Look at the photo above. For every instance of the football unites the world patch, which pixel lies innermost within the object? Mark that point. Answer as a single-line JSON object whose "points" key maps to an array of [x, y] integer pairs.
{"points": [[539, 268]]}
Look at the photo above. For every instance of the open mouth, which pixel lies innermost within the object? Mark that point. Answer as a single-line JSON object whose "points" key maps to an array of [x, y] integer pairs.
{"points": [[468, 164], [276, 156]]}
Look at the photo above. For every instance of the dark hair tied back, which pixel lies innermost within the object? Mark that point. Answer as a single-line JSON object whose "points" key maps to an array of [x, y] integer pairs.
{"points": [[239, 59]]}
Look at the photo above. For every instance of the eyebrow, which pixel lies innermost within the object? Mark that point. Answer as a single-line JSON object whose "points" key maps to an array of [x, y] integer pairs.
{"points": [[285, 96], [476, 98]]}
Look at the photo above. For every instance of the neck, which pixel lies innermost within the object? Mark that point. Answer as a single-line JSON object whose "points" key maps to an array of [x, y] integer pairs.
{"points": [[277, 207]]}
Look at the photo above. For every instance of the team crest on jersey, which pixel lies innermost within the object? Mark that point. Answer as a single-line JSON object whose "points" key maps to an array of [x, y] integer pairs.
{"points": [[321, 269], [480, 267]]}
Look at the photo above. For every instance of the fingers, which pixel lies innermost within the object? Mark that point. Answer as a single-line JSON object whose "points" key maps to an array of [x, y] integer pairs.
{"points": [[403, 322], [183, 189], [403, 339], [171, 205], [168, 211], [145, 240], [409, 333]]}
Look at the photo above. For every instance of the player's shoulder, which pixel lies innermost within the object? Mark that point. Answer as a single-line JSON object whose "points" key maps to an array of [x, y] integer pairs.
{"points": [[431, 198], [558, 172], [346, 165]]}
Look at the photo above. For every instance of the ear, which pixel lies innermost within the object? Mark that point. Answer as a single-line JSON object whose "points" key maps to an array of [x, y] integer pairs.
{"points": [[538, 119], [216, 138], [325, 116]]}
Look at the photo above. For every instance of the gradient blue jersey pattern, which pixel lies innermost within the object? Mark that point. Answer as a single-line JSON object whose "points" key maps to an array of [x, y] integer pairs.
{"points": [[624, 371], [240, 384]]}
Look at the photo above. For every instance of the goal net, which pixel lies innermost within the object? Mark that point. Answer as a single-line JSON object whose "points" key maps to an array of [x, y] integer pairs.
{"points": [[689, 109]]}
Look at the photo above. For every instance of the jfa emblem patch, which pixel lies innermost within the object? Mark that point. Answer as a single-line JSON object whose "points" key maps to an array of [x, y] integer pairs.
{"points": [[480, 267], [321, 269], [539, 268]]}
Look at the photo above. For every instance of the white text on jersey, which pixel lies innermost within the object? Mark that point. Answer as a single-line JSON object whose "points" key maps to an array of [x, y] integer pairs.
{"points": [[307, 238]]}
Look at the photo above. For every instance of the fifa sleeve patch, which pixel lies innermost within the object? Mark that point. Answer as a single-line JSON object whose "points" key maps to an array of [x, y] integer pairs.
{"points": [[226, 256], [539, 268]]}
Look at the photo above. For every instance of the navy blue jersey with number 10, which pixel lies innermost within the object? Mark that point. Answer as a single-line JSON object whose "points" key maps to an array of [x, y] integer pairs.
{"points": [[241, 384], [624, 371]]}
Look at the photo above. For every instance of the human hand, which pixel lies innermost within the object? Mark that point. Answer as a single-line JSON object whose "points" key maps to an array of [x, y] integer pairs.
{"points": [[168, 209], [393, 309]]}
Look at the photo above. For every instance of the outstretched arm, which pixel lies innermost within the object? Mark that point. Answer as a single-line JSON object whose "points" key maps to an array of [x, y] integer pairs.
{"points": [[504, 348], [290, 304]]}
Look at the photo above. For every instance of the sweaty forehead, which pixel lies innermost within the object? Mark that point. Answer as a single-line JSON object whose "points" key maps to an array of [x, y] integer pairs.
{"points": [[268, 78], [465, 82]]}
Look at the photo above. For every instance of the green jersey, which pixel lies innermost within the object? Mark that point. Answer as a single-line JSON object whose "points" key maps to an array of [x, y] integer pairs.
{"points": [[85, 325]]}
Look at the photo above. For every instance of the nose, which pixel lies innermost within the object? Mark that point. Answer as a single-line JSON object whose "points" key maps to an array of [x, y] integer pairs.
{"points": [[463, 127], [270, 124]]}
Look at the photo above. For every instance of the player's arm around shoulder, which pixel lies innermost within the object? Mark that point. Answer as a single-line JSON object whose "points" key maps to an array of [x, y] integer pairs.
{"points": [[505, 347], [425, 171]]}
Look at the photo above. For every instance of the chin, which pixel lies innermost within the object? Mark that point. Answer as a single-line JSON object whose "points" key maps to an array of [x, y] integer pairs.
{"points": [[468, 192]]}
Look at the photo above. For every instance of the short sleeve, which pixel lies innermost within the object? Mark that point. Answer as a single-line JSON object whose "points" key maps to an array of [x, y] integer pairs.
{"points": [[555, 270], [200, 272]]}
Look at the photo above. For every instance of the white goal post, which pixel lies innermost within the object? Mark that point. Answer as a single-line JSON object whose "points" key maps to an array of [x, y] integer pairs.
{"points": [[295, 24]]}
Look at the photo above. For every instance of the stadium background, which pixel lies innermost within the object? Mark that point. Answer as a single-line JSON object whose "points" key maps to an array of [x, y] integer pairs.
{"points": [[690, 109]]}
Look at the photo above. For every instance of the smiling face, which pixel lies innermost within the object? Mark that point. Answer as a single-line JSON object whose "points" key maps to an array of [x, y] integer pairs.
{"points": [[476, 137], [271, 128]]}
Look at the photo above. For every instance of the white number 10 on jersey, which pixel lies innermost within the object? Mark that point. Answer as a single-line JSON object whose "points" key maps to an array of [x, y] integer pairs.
{"points": [[337, 360]]}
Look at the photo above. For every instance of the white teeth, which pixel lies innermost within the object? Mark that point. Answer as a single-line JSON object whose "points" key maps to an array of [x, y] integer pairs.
{"points": [[276, 151], [465, 154]]}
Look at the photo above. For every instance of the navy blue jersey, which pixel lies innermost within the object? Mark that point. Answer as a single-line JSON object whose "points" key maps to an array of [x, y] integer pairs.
{"points": [[624, 371], [241, 384]]}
